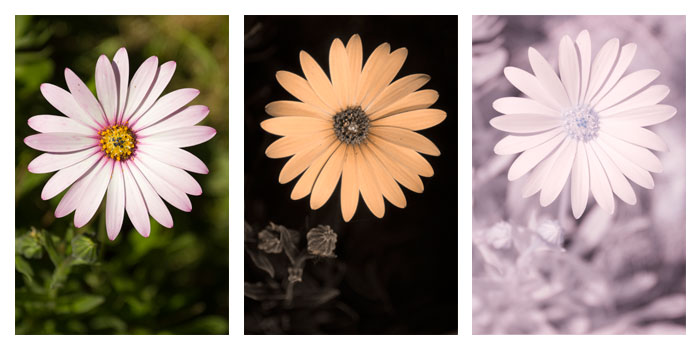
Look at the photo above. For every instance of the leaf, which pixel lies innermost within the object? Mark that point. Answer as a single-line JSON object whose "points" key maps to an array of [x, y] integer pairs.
{"points": [[108, 322], [78, 303], [28, 246], [258, 291], [288, 243], [261, 261], [61, 272], [23, 267], [47, 242], [84, 250]]}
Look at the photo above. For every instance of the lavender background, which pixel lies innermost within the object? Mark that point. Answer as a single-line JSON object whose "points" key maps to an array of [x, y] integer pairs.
{"points": [[537, 270]]}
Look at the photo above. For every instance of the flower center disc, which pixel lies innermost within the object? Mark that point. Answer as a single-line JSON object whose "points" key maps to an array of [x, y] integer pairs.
{"points": [[118, 142], [351, 125], [581, 123]]}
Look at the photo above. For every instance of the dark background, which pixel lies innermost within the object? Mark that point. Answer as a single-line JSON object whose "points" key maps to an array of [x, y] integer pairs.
{"points": [[397, 274]]}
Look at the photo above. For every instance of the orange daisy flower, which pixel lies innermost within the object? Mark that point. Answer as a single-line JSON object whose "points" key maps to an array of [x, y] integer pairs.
{"points": [[357, 127]]}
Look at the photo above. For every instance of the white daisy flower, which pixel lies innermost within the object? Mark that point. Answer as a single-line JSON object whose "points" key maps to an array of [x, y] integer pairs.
{"points": [[588, 122]]}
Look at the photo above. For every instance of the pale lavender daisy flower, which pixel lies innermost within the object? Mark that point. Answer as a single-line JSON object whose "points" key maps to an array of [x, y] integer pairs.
{"points": [[588, 122], [127, 143]]}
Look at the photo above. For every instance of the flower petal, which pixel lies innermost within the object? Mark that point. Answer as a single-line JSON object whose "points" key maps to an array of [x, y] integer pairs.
{"points": [[354, 50], [521, 105], [402, 174], [626, 56], [187, 117], [556, 179], [172, 195], [620, 186], [50, 162], [162, 78], [75, 194], [530, 158], [305, 184], [406, 138], [154, 203], [328, 178], [340, 71], [163, 108], [627, 86], [140, 85], [602, 64], [377, 75], [600, 187], [68, 175], [295, 109], [649, 97], [64, 102], [525, 123], [569, 69], [116, 199], [289, 145], [639, 155], [92, 197], [397, 90], [349, 187], [284, 126], [106, 85], [52, 123], [176, 157], [121, 73], [59, 142], [583, 42], [369, 189], [302, 90], [406, 156], [413, 101], [385, 182], [176, 177], [633, 171], [642, 116], [636, 135], [135, 205], [413, 120], [529, 85], [85, 99], [512, 144], [182, 137], [579, 181], [303, 159], [318, 80], [548, 78]]}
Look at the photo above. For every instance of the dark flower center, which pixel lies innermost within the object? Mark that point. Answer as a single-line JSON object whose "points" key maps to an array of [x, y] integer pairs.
{"points": [[351, 125]]}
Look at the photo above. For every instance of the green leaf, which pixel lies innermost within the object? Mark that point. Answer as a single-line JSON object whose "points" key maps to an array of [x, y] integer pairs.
{"points": [[261, 261], [84, 250], [28, 245], [61, 272], [78, 303], [23, 267], [47, 242]]}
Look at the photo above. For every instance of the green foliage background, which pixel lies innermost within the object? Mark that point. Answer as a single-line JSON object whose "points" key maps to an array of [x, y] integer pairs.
{"points": [[76, 281]]}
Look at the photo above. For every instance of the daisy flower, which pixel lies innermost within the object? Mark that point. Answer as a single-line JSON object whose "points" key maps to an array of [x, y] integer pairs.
{"points": [[358, 124], [127, 143], [588, 122]]}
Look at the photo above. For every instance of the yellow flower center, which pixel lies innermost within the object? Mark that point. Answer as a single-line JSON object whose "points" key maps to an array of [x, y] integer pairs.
{"points": [[118, 142]]}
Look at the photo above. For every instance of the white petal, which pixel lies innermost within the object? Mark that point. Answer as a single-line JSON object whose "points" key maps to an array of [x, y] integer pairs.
{"points": [[548, 78], [636, 135], [602, 64], [642, 116], [649, 97], [579, 181], [536, 180], [626, 55], [106, 85], [525, 123], [50, 162], [627, 86], [569, 69], [583, 42], [556, 179], [600, 187], [121, 73], [530, 158], [530, 86], [638, 155], [620, 186], [633, 171], [512, 144], [114, 207], [521, 105]]}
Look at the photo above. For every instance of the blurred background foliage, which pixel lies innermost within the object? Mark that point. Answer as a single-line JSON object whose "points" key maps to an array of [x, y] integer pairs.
{"points": [[77, 281]]}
